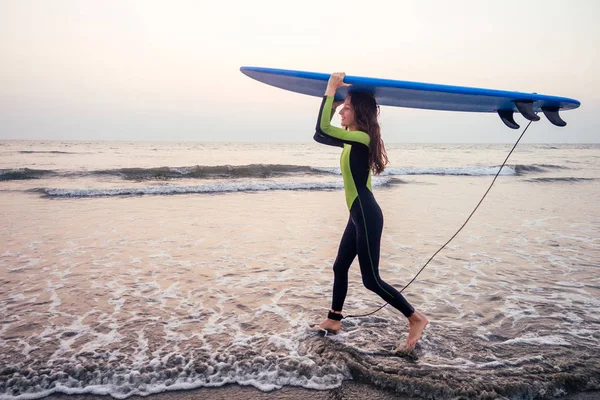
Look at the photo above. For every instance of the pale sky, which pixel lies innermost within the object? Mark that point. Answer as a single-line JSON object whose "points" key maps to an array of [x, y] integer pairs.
{"points": [[169, 70]]}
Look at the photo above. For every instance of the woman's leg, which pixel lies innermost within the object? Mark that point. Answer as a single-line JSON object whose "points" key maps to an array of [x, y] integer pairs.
{"points": [[345, 257], [368, 219], [343, 261]]}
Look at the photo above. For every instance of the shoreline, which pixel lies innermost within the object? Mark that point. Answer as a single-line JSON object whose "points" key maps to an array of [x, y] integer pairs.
{"points": [[349, 390]]}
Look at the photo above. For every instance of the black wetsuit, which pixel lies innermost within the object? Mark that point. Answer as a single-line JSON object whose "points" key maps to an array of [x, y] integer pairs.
{"points": [[362, 236]]}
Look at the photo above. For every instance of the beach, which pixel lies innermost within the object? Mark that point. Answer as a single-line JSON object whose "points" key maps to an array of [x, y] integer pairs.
{"points": [[196, 270]]}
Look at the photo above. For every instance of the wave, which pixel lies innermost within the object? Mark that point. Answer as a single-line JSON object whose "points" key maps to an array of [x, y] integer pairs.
{"points": [[523, 169], [167, 173], [15, 174], [45, 152], [451, 171], [263, 171], [464, 171], [218, 171], [563, 179], [228, 187], [507, 170]]}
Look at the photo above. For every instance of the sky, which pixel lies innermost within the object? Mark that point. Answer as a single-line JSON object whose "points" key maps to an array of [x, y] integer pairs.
{"points": [[169, 70]]}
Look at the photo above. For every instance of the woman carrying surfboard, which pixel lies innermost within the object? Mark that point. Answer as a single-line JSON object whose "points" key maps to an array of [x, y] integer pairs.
{"points": [[363, 152]]}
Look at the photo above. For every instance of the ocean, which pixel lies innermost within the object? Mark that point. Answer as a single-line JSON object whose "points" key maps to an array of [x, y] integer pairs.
{"points": [[137, 268]]}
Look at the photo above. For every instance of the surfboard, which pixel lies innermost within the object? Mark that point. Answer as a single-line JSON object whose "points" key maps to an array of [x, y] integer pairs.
{"points": [[423, 95]]}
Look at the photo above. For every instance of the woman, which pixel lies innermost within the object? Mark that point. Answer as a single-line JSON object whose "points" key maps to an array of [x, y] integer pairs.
{"points": [[363, 152]]}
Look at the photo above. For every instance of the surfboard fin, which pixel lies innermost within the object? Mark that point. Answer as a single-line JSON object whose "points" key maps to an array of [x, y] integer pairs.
{"points": [[526, 109], [552, 114], [508, 118]]}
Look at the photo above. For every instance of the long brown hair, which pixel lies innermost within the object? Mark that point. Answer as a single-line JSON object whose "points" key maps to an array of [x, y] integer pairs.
{"points": [[366, 112]]}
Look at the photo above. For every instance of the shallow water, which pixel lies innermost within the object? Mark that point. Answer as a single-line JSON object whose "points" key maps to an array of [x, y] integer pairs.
{"points": [[135, 268]]}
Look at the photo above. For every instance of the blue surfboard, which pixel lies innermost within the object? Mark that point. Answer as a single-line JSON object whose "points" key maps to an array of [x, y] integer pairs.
{"points": [[423, 95]]}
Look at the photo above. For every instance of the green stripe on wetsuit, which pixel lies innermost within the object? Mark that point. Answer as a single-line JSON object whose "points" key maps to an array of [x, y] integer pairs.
{"points": [[349, 139]]}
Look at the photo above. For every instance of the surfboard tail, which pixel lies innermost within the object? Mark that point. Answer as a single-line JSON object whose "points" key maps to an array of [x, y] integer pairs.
{"points": [[526, 109]]}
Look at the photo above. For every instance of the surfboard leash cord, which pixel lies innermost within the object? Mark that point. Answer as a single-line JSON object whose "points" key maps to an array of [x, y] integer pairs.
{"points": [[459, 229]]}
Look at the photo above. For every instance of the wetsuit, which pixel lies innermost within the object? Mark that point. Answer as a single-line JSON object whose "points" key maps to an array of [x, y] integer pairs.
{"points": [[362, 236]]}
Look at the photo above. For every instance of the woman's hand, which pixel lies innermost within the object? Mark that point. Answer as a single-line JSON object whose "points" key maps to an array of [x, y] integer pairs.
{"points": [[336, 81]]}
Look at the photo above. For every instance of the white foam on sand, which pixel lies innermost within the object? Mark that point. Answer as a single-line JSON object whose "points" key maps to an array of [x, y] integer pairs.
{"points": [[551, 340]]}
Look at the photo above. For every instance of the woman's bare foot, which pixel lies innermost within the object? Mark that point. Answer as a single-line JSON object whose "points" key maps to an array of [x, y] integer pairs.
{"points": [[330, 325], [417, 323], [333, 322]]}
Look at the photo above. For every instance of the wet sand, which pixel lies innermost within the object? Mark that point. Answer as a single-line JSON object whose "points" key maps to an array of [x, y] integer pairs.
{"points": [[348, 391]]}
